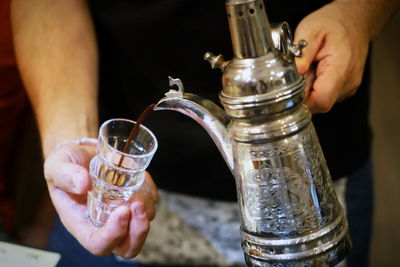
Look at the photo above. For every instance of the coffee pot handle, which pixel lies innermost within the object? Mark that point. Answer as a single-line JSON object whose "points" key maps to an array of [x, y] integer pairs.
{"points": [[283, 41]]}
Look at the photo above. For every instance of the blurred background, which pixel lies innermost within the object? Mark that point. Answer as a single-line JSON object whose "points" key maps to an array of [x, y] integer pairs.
{"points": [[385, 120]]}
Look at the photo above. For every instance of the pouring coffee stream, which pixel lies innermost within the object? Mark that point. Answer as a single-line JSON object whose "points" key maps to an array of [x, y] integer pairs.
{"points": [[290, 214], [139, 121]]}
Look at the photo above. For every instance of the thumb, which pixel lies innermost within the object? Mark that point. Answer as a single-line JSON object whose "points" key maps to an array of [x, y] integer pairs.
{"points": [[309, 52]]}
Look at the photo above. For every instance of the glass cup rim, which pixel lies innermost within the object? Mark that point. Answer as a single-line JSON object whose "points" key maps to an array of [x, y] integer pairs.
{"points": [[145, 155]]}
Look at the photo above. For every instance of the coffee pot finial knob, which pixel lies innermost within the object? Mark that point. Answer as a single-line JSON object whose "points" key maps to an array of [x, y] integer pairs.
{"points": [[216, 61], [296, 50]]}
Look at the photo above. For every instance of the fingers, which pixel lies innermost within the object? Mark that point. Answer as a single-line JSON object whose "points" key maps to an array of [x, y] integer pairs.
{"points": [[322, 83], [126, 228], [98, 241], [147, 198], [153, 188], [330, 55], [323, 95], [147, 194], [124, 232], [138, 230], [67, 176], [102, 241], [310, 77], [68, 180], [330, 85], [314, 41], [66, 168]]}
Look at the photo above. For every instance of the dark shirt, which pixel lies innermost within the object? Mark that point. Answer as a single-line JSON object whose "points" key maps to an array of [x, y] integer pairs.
{"points": [[143, 42]]}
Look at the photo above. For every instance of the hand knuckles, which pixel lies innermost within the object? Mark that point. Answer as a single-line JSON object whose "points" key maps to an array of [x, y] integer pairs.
{"points": [[98, 252], [155, 195], [324, 105], [356, 82], [151, 214], [130, 254], [47, 171], [127, 252], [352, 91]]}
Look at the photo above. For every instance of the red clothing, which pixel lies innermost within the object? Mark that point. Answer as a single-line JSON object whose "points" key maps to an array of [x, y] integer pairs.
{"points": [[12, 103]]}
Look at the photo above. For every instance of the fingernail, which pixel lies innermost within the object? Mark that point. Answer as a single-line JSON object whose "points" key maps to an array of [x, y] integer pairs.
{"points": [[76, 180], [140, 210]]}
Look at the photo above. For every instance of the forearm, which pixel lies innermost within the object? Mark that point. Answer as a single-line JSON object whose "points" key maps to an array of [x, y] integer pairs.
{"points": [[370, 14], [57, 56]]}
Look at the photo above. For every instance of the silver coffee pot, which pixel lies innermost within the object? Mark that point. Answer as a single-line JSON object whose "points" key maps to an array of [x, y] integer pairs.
{"points": [[290, 215]]}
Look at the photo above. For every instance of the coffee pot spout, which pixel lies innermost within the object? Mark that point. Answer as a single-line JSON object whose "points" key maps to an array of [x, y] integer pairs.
{"points": [[206, 113]]}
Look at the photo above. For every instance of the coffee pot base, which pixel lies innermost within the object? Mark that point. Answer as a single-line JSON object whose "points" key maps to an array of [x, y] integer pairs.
{"points": [[332, 257]]}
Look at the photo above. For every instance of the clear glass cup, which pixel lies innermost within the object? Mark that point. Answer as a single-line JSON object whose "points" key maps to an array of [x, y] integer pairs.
{"points": [[117, 171]]}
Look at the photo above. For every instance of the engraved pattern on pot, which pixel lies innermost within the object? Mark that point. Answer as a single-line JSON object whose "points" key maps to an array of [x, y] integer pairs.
{"points": [[311, 158], [282, 200], [278, 200]]}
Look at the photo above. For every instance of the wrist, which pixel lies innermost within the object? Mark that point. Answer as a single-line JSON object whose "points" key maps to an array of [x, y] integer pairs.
{"points": [[69, 133]]}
